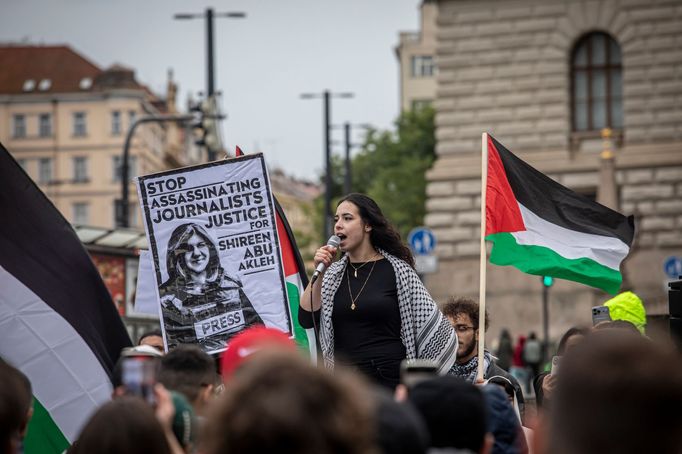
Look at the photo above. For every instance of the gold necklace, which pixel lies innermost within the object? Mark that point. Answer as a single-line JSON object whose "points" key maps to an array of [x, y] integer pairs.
{"points": [[353, 300], [355, 270]]}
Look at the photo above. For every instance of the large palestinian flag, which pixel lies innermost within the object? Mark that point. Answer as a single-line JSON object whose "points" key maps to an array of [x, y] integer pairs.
{"points": [[58, 324], [294, 274], [544, 228]]}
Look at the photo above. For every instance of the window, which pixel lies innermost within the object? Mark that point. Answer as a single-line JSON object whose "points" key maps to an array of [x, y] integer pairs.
{"points": [[116, 122], [132, 167], [131, 117], [597, 83], [80, 169], [45, 125], [79, 127], [19, 126], [45, 84], [80, 213], [44, 170], [423, 66], [132, 213], [23, 163], [419, 104]]}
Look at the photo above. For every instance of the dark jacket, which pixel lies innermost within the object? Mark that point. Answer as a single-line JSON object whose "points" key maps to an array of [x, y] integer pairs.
{"points": [[495, 370], [503, 423]]}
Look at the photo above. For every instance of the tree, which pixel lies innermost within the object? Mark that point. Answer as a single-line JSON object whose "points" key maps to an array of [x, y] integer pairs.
{"points": [[391, 167]]}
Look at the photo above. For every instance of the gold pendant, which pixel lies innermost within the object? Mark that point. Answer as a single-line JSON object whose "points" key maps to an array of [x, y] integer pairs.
{"points": [[352, 307], [355, 273]]}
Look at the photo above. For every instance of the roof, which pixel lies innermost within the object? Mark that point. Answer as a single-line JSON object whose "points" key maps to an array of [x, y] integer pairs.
{"points": [[56, 69]]}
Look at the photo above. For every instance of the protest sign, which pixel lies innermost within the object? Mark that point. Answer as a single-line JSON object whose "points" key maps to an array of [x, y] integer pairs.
{"points": [[213, 240]]}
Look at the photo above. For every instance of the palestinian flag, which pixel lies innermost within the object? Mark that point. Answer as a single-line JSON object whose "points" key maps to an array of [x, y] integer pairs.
{"points": [[294, 274], [544, 228], [58, 324]]}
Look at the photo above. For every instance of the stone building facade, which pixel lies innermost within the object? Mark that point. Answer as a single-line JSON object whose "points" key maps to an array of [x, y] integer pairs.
{"points": [[514, 68], [416, 53], [65, 120]]}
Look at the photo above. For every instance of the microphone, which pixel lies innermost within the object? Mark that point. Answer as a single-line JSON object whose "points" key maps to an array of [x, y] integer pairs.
{"points": [[333, 241]]}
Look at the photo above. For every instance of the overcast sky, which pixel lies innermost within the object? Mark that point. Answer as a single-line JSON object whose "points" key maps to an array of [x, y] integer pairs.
{"points": [[282, 49]]}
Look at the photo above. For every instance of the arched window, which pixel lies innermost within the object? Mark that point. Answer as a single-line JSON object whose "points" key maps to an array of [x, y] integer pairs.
{"points": [[597, 83]]}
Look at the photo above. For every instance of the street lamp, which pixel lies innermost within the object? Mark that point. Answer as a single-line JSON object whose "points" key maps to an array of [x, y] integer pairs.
{"points": [[124, 207], [326, 96], [209, 15]]}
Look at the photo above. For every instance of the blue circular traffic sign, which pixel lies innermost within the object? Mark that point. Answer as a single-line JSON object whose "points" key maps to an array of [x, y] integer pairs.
{"points": [[421, 240], [673, 267]]}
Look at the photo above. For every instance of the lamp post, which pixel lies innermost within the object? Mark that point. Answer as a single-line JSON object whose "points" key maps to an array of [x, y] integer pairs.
{"points": [[124, 218], [326, 96], [209, 15], [547, 282]]}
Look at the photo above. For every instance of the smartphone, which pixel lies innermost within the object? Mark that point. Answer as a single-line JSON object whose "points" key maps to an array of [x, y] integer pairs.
{"points": [[413, 371], [555, 365], [138, 375], [600, 314]]}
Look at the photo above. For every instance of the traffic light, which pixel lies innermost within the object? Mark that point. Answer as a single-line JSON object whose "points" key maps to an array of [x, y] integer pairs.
{"points": [[547, 281], [206, 123]]}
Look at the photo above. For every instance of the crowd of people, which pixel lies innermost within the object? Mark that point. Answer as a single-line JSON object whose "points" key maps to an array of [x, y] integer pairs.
{"points": [[617, 392], [398, 374]]}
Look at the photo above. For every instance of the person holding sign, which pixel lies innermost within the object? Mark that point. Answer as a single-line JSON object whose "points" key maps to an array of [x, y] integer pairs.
{"points": [[373, 309], [200, 301]]}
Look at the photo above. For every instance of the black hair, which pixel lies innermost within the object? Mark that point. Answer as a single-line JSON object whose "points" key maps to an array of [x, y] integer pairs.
{"points": [[187, 369], [574, 331], [126, 424], [383, 235], [15, 402], [463, 305]]}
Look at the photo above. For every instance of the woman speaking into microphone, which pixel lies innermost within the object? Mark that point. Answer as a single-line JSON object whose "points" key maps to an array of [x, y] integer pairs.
{"points": [[371, 307]]}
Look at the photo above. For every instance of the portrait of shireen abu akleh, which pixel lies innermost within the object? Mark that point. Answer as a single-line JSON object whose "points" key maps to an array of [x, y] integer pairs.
{"points": [[201, 303]]}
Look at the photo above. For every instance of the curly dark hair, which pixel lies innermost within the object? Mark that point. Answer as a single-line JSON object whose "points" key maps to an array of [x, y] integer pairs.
{"points": [[383, 235], [463, 305]]}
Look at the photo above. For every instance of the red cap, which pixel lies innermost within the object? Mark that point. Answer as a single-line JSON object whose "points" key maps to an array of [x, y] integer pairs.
{"points": [[249, 342]]}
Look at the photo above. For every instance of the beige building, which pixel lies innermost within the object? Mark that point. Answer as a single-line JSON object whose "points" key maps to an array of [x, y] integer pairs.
{"points": [[65, 121], [544, 77], [416, 54]]}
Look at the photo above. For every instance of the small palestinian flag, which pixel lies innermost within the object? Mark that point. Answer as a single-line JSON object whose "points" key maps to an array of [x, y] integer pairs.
{"points": [[544, 228], [294, 274], [58, 324]]}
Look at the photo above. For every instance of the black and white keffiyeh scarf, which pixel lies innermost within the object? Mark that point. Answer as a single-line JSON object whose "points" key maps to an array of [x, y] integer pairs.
{"points": [[469, 369], [424, 331]]}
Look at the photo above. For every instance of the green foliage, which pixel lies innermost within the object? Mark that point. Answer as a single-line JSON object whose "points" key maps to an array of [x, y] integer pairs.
{"points": [[391, 168]]}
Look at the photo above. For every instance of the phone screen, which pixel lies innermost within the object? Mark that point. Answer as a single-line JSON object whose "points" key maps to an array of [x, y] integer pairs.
{"points": [[139, 377]]}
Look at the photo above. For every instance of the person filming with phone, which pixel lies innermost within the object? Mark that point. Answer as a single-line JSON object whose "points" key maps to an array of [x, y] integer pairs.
{"points": [[545, 382]]}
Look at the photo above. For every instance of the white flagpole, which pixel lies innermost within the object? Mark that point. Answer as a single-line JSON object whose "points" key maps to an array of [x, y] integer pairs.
{"points": [[481, 288]]}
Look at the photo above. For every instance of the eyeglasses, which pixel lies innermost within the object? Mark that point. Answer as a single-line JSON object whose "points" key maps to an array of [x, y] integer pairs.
{"points": [[463, 328]]}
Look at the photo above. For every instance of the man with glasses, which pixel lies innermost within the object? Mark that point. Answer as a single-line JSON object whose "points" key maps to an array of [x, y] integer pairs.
{"points": [[463, 315]]}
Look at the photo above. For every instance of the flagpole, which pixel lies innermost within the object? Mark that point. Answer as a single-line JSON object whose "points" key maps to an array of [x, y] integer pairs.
{"points": [[481, 288]]}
